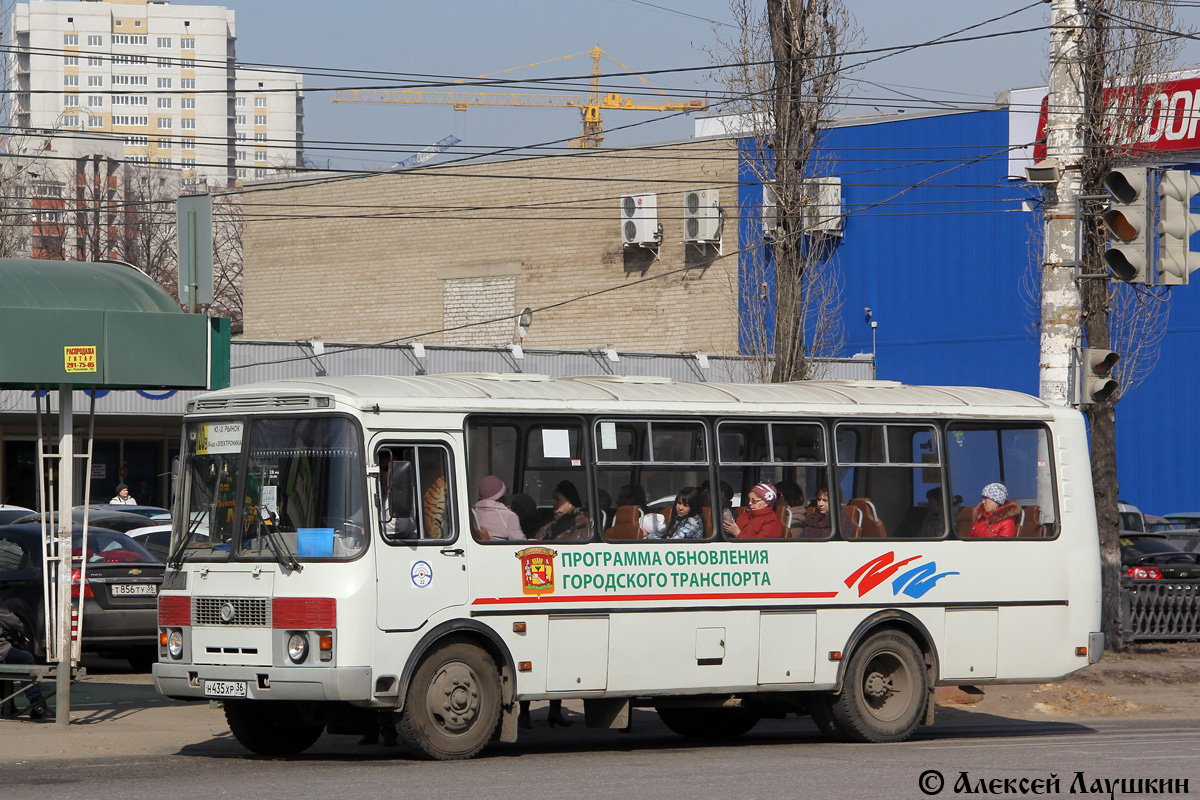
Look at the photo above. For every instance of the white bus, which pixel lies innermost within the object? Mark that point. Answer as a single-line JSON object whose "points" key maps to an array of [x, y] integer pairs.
{"points": [[312, 587]]}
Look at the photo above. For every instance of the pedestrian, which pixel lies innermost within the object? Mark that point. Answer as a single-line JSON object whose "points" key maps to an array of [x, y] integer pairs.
{"points": [[123, 497], [12, 638]]}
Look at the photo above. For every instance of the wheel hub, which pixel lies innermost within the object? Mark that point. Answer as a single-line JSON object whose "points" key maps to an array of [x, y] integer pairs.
{"points": [[877, 686], [454, 698]]}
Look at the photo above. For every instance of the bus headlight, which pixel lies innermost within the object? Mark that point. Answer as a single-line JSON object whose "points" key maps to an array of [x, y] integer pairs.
{"points": [[175, 644], [297, 648]]}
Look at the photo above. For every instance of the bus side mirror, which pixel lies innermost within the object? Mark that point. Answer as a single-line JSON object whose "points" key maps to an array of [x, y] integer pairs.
{"points": [[400, 497]]}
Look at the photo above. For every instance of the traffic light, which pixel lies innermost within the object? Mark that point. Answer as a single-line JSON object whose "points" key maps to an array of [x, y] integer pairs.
{"points": [[1126, 221], [1098, 381], [1176, 224]]}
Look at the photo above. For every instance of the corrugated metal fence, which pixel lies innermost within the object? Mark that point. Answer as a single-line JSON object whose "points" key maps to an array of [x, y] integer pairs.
{"points": [[1160, 610]]}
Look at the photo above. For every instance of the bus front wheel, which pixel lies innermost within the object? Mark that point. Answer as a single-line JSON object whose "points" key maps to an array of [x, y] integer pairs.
{"points": [[884, 690], [708, 724], [453, 705], [270, 727]]}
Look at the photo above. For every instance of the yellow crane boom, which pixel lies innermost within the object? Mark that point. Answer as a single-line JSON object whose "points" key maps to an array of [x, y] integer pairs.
{"points": [[590, 107]]}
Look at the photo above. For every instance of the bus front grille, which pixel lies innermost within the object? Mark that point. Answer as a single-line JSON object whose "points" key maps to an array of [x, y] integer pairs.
{"points": [[245, 612]]}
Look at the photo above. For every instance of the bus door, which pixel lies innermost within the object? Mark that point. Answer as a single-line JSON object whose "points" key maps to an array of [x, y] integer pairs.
{"points": [[421, 563]]}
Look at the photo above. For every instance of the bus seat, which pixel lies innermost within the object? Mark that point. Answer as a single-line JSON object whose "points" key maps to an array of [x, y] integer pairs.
{"points": [[1031, 522], [966, 518], [480, 533], [707, 514], [784, 514], [854, 514], [627, 524], [871, 527]]}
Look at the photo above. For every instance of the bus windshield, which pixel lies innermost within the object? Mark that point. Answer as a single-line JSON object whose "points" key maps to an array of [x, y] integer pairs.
{"points": [[301, 492]]}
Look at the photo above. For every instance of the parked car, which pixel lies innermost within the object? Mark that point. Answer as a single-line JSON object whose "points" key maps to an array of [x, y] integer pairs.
{"points": [[1151, 556], [1190, 519], [120, 596], [120, 521], [1131, 518], [156, 513], [1186, 539], [12, 513], [1162, 524]]}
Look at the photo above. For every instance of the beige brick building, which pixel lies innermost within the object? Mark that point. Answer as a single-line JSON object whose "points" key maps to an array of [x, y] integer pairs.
{"points": [[412, 254]]}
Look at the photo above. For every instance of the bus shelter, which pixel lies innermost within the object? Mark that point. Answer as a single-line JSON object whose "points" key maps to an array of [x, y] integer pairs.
{"points": [[70, 325]]}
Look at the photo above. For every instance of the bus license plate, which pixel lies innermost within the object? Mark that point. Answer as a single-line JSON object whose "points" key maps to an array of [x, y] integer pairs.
{"points": [[224, 688], [133, 588]]}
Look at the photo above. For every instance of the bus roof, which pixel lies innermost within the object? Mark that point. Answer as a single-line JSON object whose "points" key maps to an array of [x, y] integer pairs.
{"points": [[472, 392]]}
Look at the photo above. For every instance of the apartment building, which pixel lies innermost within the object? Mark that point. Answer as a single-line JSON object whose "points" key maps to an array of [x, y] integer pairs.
{"points": [[162, 78]]}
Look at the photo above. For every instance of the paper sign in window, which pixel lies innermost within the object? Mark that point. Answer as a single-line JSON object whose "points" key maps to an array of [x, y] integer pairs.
{"points": [[556, 443], [608, 436]]}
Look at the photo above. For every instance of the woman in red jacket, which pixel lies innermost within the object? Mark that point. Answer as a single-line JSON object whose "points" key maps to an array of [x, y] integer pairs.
{"points": [[995, 516], [759, 520]]}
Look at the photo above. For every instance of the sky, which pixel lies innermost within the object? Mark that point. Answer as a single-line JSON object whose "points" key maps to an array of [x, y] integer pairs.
{"points": [[467, 38]]}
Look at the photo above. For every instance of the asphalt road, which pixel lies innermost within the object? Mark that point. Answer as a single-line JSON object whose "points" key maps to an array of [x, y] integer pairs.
{"points": [[781, 759]]}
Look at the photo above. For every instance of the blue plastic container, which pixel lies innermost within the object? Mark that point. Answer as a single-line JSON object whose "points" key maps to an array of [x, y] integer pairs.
{"points": [[314, 542]]}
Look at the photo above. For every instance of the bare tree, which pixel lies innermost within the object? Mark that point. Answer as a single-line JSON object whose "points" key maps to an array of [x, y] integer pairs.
{"points": [[783, 69], [148, 225], [1126, 46], [227, 257]]}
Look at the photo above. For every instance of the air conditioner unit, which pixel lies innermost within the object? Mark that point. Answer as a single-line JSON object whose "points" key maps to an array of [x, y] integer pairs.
{"points": [[702, 216], [639, 219], [823, 207], [770, 210]]}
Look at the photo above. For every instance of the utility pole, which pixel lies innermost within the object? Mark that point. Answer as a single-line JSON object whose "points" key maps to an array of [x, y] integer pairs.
{"points": [[1064, 145]]}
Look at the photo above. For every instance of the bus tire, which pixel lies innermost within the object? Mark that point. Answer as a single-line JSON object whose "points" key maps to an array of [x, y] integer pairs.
{"points": [[884, 690], [708, 724], [820, 708], [270, 727], [453, 705]]}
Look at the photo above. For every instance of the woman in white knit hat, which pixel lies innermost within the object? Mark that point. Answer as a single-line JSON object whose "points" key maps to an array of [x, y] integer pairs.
{"points": [[996, 515]]}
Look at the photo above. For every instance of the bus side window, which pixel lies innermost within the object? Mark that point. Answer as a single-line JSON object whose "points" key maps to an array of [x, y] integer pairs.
{"points": [[418, 494]]}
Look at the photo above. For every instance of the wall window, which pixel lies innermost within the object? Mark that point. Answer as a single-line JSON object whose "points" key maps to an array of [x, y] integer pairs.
{"points": [[95, 122], [139, 160], [129, 59], [136, 141], [1015, 455], [95, 101], [533, 456], [240, 119], [430, 503], [164, 102], [260, 102], [188, 163], [241, 155], [71, 39], [164, 41], [187, 144], [70, 100], [165, 144], [260, 137], [888, 474], [164, 123], [130, 80], [96, 80], [164, 63], [165, 163], [641, 467], [187, 102], [164, 83], [260, 119], [187, 83], [187, 63], [240, 102], [130, 100], [95, 41], [70, 80], [260, 155], [95, 61], [70, 121], [241, 137], [241, 173], [188, 124], [71, 61], [188, 43]]}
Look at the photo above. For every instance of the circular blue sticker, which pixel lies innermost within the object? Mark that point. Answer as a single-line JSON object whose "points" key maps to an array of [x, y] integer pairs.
{"points": [[421, 574]]}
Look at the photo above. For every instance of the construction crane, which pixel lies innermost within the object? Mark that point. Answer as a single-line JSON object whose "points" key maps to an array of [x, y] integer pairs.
{"points": [[590, 107], [421, 156]]}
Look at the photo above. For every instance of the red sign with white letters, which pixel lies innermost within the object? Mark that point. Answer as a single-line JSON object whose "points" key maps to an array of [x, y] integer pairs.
{"points": [[1171, 119]]}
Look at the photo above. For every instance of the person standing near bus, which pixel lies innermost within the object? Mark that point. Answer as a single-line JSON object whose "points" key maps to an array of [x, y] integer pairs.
{"points": [[759, 520], [123, 498], [995, 516]]}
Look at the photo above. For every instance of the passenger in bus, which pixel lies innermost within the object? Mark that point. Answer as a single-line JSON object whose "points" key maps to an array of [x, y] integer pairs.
{"points": [[686, 522], [569, 521], [818, 523], [493, 515], [995, 516], [791, 496], [759, 520], [433, 498], [525, 507], [934, 523], [726, 500], [632, 494]]}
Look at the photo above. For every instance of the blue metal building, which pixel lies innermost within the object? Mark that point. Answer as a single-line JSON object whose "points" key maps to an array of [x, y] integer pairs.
{"points": [[937, 244]]}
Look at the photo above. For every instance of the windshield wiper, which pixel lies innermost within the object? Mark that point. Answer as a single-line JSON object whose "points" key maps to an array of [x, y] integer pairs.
{"points": [[283, 554]]}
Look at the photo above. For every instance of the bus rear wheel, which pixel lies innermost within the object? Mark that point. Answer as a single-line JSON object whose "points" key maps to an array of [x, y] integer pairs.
{"points": [[884, 690], [453, 704], [270, 727], [708, 724]]}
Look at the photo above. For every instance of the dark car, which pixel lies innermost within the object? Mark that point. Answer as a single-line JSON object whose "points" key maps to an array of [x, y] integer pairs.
{"points": [[120, 521], [1186, 539], [157, 513], [1151, 556], [12, 513], [120, 596]]}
